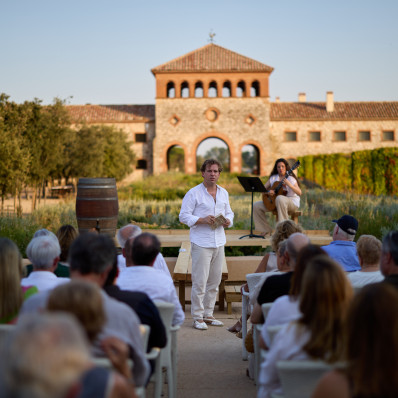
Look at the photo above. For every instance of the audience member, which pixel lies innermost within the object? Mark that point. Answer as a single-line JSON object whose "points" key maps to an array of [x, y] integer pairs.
{"points": [[12, 294], [286, 308], [318, 333], [43, 252], [389, 258], [343, 247], [142, 305], [66, 234], [139, 274], [371, 348], [47, 356], [369, 252], [130, 231], [91, 257]]}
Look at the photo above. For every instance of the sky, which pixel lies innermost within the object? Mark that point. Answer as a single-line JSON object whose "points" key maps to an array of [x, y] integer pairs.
{"points": [[101, 52]]}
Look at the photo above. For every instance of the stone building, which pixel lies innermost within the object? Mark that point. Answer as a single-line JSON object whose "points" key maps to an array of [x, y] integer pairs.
{"points": [[213, 92]]}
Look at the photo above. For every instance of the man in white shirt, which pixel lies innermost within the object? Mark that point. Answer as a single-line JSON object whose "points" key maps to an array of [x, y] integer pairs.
{"points": [[140, 276], [132, 231], [200, 208], [43, 252]]}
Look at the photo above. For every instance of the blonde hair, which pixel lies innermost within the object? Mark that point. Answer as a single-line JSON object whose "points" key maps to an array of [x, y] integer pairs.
{"points": [[324, 300], [83, 300], [369, 249], [283, 230], [11, 271]]}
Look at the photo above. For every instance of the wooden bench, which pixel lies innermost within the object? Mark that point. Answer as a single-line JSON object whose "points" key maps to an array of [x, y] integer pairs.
{"points": [[232, 295], [294, 216]]}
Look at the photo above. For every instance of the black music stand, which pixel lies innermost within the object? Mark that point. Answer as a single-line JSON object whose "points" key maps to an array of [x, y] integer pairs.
{"points": [[252, 184]]}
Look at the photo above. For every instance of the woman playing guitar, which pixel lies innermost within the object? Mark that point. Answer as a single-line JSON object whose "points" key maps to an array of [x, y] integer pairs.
{"points": [[283, 195]]}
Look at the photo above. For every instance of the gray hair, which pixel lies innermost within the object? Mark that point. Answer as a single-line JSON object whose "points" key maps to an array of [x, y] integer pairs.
{"points": [[127, 232], [282, 247], [344, 235], [42, 251], [44, 232], [43, 356]]}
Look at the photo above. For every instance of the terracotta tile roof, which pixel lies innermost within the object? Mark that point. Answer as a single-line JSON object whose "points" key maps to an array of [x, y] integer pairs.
{"points": [[212, 58], [111, 113], [342, 111]]}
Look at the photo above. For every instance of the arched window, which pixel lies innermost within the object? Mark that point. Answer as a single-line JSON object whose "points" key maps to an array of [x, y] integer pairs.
{"points": [[213, 148], [255, 89], [176, 158], [171, 92], [226, 89], [198, 90], [213, 89], [241, 89], [250, 159], [184, 90]]}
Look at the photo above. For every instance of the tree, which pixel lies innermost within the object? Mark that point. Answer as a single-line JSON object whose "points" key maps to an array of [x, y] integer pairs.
{"points": [[220, 154], [176, 159]]}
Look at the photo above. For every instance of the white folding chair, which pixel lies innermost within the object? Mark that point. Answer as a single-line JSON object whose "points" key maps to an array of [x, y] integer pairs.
{"points": [[245, 303], [299, 378], [272, 332], [166, 311], [265, 309]]}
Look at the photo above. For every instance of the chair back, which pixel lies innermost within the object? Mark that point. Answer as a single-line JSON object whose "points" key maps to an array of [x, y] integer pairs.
{"points": [[299, 378], [265, 309], [145, 330], [272, 332]]}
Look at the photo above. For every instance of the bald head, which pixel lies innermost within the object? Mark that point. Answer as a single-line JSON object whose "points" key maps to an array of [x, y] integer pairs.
{"points": [[127, 232], [295, 243]]}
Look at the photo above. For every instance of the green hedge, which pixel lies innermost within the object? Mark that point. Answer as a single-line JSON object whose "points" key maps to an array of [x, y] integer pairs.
{"points": [[366, 172]]}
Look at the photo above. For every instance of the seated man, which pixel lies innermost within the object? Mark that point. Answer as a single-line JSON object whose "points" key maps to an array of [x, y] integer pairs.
{"points": [[343, 247], [131, 231], [369, 252], [43, 252], [91, 257], [389, 258], [139, 274]]}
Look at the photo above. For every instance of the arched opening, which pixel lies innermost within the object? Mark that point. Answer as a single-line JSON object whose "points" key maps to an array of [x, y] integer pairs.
{"points": [[250, 159], [213, 148], [184, 90], [241, 89], [171, 91], [255, 89], [213, 89], [198, 90], [176, 158], [226, 89]]}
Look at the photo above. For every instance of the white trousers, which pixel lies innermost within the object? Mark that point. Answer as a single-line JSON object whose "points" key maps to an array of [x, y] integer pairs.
{"points": [[284, 207], [206, 277]]}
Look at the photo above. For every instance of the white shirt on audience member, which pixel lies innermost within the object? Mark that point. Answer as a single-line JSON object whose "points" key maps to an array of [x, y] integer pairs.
{"points": [[283, 310], [360, 278], [160, 263], [158, 286], [43, 280]]}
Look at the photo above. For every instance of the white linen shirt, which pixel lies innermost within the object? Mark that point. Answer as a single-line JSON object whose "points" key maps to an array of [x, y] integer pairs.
{"points": [[160, 263], [157, 285], [43, 280], [198, 203]]}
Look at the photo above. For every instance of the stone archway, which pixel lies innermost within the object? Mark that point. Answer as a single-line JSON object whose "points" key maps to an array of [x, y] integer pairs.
{"points": [[176, 158], [250, 159], [216, 148]]}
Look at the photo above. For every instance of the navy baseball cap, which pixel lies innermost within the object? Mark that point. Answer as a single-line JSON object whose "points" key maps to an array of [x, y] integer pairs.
{"points": [[348, 224]]}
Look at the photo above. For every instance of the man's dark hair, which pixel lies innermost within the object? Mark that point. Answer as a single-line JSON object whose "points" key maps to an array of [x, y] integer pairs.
{"points": [[390, 245], [145, 249], [210, 162], [91, 253]]}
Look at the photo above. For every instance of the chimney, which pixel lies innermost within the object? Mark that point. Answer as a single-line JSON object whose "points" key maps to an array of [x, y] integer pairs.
{"points": [[302, 97], [277, 100], [329, 101]]}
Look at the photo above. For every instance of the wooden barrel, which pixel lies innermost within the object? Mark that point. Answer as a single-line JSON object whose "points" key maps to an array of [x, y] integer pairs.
{"points": [[97, 205]]}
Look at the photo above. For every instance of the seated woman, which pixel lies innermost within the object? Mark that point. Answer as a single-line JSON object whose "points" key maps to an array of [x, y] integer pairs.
{"points": [[371, 348], [269, 262], [47, 356], [286, 308], [12, 294], [84, 300], [66, 234], [318, 333]]}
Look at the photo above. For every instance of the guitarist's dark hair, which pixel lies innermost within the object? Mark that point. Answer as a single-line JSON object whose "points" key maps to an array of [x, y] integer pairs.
{"points": [[286, 163]]}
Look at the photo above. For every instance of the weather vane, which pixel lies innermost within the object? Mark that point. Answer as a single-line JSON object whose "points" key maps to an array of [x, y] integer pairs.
{"points": [[211, 36]]}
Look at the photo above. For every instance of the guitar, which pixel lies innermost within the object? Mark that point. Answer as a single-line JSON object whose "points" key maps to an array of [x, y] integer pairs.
{"points": [[269, 201]]}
